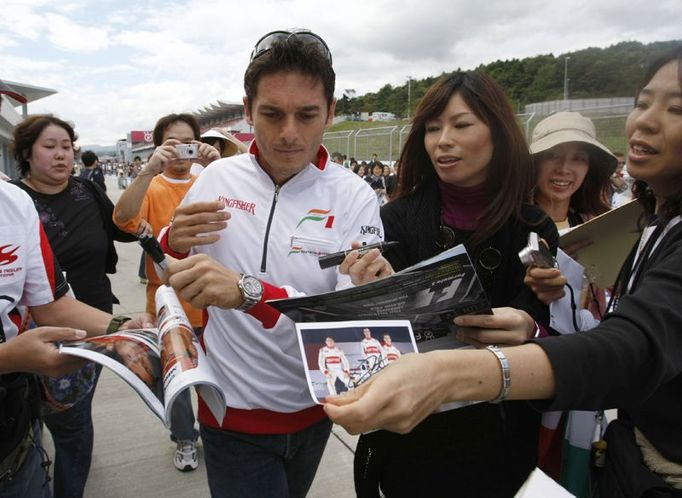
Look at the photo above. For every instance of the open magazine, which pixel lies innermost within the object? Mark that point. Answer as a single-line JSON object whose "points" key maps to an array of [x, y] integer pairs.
{"points": [[429, 294], [158, 363]]}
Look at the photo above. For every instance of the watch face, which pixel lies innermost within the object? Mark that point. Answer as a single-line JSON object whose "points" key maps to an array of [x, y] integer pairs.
{"points": [[252, 286]]}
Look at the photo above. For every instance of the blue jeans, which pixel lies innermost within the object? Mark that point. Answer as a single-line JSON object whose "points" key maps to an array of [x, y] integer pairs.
{"points": [[73, 436], [182, 418], [32, 478], [272, 465]]}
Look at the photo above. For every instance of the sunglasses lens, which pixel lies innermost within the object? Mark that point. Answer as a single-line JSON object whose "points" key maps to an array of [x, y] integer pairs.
{"points": [[266, 43]]}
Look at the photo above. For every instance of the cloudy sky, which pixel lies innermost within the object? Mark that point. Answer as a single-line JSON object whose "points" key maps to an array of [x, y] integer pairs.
{"points": [[121, 64]]}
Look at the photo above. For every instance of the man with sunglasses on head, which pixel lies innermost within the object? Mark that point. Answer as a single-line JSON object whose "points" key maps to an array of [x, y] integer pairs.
{"points": [[251, 229]]}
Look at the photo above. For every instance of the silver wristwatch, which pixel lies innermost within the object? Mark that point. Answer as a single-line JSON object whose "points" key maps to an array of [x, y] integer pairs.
{"points": [[252, 291]]}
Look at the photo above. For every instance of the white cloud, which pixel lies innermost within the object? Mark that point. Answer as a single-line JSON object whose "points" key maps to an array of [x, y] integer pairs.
{"points": [[67, 35], [120, 65]]}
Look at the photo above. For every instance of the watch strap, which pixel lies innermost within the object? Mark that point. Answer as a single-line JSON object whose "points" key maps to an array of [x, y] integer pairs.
{"points": [[116, 322]]}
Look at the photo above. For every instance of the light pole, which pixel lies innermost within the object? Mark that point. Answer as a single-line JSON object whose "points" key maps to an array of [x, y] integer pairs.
{"points": [[409, 95], [566, 59]]}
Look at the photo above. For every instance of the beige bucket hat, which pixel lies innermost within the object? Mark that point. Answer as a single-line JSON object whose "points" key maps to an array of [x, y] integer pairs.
{"points": [[564, 127], [233, 144]]}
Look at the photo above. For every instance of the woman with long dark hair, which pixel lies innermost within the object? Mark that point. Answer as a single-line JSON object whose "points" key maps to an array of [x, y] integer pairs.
{"points": [[463, 175]]}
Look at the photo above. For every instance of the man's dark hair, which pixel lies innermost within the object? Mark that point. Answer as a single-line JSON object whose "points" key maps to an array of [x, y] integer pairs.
{"points": [[89, 158], [291, 55], [138, 158], [165, 122], [27, 132]]}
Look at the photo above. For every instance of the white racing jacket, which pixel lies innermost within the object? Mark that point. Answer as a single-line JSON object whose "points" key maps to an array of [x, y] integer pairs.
{"points": [[276, 234]]}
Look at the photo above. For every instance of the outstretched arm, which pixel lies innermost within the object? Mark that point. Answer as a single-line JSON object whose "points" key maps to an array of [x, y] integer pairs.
{"points": [[406, 392]]}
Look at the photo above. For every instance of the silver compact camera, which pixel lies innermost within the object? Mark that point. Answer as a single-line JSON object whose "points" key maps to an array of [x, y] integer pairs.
{"points": [[187, 151], [536, 253]]}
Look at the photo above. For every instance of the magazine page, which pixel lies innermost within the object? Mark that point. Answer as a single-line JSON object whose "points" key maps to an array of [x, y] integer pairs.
{"points": [[133, 355], [430, 295], [340, 356], [182, 358]]}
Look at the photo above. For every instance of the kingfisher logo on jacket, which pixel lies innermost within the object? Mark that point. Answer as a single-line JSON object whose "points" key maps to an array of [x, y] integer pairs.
{"points": [[7, 256], [249, 207], [318, 215]]}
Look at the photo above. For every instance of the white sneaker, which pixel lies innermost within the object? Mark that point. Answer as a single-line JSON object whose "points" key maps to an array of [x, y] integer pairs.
{"points": [[185, 458]]}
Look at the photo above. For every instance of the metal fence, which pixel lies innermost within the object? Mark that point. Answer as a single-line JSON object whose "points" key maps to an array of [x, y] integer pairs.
{"points": [[387, 142]]}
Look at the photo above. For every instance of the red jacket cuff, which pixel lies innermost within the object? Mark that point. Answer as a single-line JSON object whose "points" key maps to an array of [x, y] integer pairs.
{"points": [[262, 311], [167, 249]]}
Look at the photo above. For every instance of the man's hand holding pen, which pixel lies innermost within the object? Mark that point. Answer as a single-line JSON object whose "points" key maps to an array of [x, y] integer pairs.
{"points": [[365, 267]]}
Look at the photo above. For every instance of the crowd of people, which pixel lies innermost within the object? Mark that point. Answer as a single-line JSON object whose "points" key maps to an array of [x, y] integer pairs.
{"points": [[228, 217]]}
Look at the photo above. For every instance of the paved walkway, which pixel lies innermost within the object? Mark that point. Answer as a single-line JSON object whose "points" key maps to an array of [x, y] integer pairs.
{"points": [[133, 454]]}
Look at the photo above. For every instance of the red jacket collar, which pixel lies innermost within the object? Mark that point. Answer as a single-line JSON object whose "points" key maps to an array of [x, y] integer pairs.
{"points": [[320, 161]]}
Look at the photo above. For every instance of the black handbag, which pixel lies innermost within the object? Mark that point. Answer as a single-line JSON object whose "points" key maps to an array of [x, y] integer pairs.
{"points": [[625, 475]]}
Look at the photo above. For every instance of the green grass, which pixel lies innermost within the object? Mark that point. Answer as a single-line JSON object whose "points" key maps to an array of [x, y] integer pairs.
{"points": [[357, 125]]}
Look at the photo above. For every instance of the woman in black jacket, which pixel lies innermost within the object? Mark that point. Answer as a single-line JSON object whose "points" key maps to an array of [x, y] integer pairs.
{"points": [[464, 172]]}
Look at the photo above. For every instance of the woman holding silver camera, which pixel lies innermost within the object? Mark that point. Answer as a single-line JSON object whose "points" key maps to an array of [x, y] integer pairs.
{"points": [[463, 175], [572, 171]]}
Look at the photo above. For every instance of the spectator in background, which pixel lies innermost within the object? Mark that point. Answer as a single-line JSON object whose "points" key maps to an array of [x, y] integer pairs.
{"points": [[153, 197], [92, 170], [224, 142], [621, 183], [377, 181], [392, 181]]}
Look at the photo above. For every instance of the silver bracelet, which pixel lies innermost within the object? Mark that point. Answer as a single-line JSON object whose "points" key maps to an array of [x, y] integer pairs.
{"points": [[506, 374]]}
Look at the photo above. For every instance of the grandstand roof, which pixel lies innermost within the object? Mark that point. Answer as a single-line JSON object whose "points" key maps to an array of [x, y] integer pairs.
{"points": [[220, 110], [30, 92]]}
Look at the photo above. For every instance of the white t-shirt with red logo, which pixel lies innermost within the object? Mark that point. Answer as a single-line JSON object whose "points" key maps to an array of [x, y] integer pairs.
{"points": [[29, 273]]}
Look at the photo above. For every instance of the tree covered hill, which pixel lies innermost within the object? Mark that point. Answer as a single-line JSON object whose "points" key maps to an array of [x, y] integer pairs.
{"points": [[614, 71]]}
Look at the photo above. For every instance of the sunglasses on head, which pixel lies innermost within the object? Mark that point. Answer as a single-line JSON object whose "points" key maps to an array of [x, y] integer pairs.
{"points": [[267, 41]]}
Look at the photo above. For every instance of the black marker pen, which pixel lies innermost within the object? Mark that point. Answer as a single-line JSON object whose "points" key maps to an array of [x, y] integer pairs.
{"points": [[152, 247], [337, 258]]}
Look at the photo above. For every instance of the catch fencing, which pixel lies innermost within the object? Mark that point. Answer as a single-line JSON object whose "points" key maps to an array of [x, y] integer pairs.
{"points": [[387, 141]]}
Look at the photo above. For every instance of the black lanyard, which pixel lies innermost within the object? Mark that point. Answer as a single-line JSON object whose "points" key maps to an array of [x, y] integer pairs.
{"points": [[638, 258]]}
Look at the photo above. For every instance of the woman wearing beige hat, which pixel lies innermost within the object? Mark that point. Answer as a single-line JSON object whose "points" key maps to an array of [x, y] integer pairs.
{"points": [[572, 172], [572, 169], [226, 143]]}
